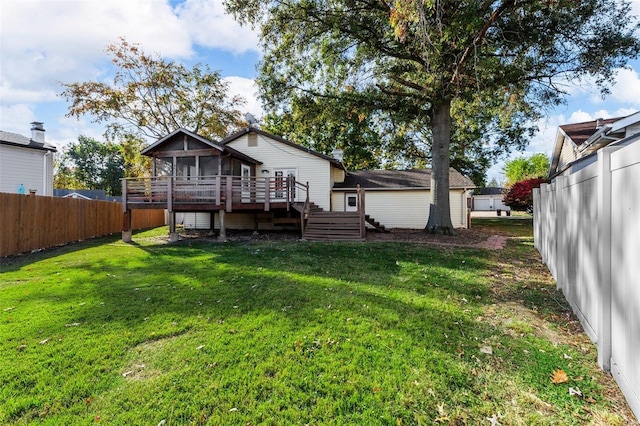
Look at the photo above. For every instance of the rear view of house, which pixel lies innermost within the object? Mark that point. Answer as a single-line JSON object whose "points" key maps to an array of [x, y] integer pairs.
{"points": [[256, 180]]}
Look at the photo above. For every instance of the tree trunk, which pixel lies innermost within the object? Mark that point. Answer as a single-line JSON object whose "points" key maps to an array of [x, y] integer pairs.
{"points": [[439, 210]]}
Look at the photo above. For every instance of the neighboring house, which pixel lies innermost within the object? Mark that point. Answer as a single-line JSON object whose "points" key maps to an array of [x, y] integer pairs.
{"points": [[401, 198], [577, 141], [26, 164], [256, 180], [85, 194], [489, 199]]}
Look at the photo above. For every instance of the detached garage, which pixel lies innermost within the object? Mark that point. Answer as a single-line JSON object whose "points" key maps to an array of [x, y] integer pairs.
{"points": [[401, 198], [489, 199]]}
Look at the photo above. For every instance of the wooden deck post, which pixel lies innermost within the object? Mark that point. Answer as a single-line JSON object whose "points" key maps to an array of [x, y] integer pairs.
{"points": [[127, 232], [229, 200], [360, 200], [223, 226], [173, 235], [267, 194], [218, 189]]}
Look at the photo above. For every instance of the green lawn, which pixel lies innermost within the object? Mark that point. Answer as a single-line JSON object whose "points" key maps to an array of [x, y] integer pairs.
{"points": [[279, 333]]}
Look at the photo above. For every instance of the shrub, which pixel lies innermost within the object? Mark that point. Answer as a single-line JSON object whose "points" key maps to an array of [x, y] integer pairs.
{"points": [[520, 196]]}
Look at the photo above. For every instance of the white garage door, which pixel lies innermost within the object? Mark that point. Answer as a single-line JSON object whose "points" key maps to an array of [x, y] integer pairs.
{"points": [[481, 204]]}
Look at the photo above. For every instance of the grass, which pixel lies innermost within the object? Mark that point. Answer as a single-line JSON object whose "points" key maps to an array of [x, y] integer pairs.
{"points": [[293, 333]]}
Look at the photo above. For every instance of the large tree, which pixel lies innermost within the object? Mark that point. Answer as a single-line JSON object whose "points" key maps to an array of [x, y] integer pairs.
{"points": [[416, 62], [150, 97]]}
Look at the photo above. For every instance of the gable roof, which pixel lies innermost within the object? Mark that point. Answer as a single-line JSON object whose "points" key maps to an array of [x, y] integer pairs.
{"points": [[399, 179], [490, 190], [213, 144], [248, 130], [580, 132], [588, 137], [14, 139]]}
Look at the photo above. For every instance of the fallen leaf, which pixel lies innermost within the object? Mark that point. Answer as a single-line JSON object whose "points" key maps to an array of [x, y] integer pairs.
{"points": [[486, 350], [493, 420], [567, 356], [559, 376], [42, 342], [590, 400], [575, 391]]}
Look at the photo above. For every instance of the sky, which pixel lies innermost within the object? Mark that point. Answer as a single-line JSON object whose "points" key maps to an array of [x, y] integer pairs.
{"points": [[47, 42]]}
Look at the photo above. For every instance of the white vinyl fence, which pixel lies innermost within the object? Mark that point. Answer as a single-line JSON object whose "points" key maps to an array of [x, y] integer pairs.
{"points": [[587, 229]]}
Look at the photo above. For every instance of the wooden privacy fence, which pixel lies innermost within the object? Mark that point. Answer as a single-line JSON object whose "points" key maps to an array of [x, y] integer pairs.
{"points": [[587, 229], [31, 222]]}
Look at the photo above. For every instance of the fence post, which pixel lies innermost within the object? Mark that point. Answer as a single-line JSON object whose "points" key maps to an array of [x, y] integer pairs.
{"points": [[604, 255]]}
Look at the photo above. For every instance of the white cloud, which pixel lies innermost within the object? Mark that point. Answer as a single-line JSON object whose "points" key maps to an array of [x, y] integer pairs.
{"points": [[246, 87], [626, 90], [16, 118], [210, 26]]}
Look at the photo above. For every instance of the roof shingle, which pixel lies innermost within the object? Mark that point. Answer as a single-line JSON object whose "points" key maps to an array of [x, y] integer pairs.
{"points": [[400, 179]]}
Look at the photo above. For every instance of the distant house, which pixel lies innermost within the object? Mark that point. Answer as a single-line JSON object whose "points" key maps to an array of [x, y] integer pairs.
{"points": [[257, 180], [26, 164], [85, 194], [575, 142], [489, 199]]}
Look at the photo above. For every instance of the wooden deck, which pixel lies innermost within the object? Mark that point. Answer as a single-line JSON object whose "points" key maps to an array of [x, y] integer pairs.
{"points": [[228, 194], [212, 193]]}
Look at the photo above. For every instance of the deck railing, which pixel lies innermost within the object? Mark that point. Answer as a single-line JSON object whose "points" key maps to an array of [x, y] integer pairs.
{"points": [[219, 191]]}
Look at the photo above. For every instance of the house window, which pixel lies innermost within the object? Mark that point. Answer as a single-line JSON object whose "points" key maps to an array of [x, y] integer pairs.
{"points": [[351, 201], [252, 139], [164, 166]]}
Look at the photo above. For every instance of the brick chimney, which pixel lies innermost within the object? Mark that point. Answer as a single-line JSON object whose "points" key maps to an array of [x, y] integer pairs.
{"points": [[37, 132]]}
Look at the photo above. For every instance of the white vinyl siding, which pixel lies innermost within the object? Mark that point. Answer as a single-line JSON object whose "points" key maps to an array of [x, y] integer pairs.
{"points": [[277, 155], [27, 167], [568, 154], [405, 209]]}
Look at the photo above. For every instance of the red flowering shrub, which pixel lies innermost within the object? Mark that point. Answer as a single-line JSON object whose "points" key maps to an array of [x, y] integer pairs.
{"points": [[520, 196]]}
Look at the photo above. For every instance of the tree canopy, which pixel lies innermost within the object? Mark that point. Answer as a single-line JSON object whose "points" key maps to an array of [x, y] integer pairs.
{"points": [[521, 168], [151, 97], [91, 164], [441, 74]]}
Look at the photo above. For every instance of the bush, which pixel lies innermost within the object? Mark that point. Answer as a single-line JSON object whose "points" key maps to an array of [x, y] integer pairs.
{"points": [[520, 196]]}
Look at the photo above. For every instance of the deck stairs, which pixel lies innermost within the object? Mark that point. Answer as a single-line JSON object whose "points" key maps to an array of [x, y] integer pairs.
{"points": [[377, 225], [321, 225]]}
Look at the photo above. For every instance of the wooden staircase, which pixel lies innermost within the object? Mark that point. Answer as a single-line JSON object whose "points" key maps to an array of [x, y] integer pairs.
{"points": [[333, 226], [377, 225], [320, 225]]}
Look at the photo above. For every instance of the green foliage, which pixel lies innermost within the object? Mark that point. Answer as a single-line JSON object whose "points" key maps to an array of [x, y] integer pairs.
{"points": [[151, 97], [409, 66], [90, 164], [292, 333], [521, 168]]}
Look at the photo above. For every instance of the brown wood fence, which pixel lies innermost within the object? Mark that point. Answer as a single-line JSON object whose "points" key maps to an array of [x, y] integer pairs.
{"points": [[30, 222]]}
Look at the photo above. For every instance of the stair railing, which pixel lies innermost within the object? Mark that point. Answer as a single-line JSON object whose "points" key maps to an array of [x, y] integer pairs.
{"points": [[361, 209]]}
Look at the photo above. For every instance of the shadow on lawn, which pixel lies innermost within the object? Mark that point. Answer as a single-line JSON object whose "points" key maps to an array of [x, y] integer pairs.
{"points": [[396, 287]]}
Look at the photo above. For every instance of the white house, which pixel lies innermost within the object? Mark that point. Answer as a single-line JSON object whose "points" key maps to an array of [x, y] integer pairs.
{"points": [[256, 180], [579, 140], [26, 164]]}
